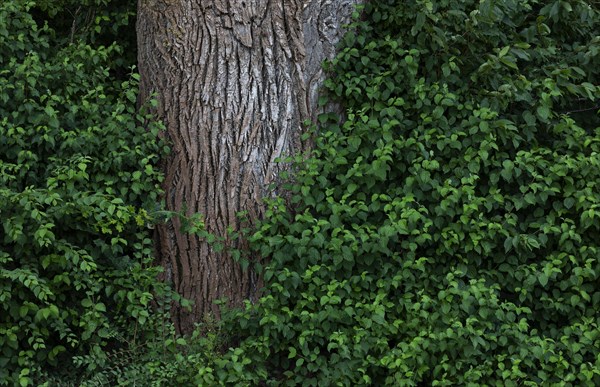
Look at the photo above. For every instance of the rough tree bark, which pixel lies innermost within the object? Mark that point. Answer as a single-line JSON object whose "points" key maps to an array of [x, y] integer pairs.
{"points": [[234, 80]]}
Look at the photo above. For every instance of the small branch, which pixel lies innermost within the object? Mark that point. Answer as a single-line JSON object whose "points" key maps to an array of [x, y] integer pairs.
{"points": [[74, 25], [583, 110]]}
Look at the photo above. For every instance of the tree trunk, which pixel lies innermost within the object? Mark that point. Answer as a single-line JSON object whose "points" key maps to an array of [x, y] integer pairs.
{"points": [[234, 80]]}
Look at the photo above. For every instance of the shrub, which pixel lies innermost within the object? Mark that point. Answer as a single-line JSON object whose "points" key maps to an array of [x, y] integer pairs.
{"points": [[79, 180], [446, 233]]}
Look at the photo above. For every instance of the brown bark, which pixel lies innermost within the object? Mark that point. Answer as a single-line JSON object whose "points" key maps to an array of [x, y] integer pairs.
{"points": [[234, 80]]}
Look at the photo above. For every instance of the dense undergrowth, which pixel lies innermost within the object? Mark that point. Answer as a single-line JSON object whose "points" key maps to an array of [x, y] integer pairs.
{"points": [[79, 178], [445, 232]]}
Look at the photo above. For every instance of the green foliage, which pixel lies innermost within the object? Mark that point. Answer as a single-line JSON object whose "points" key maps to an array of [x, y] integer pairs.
{"points": [[79, 181], [167, 359], [98, 22], [446, 233]]}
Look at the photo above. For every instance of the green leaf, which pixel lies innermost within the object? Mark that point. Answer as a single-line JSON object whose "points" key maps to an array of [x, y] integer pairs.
{"points": [[292, 352], [569, 202], [508, 244]]}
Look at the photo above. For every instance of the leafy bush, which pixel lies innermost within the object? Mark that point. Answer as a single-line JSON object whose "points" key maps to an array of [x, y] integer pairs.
{"points": [[79, 179], [166, 359], [446, 233]]}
